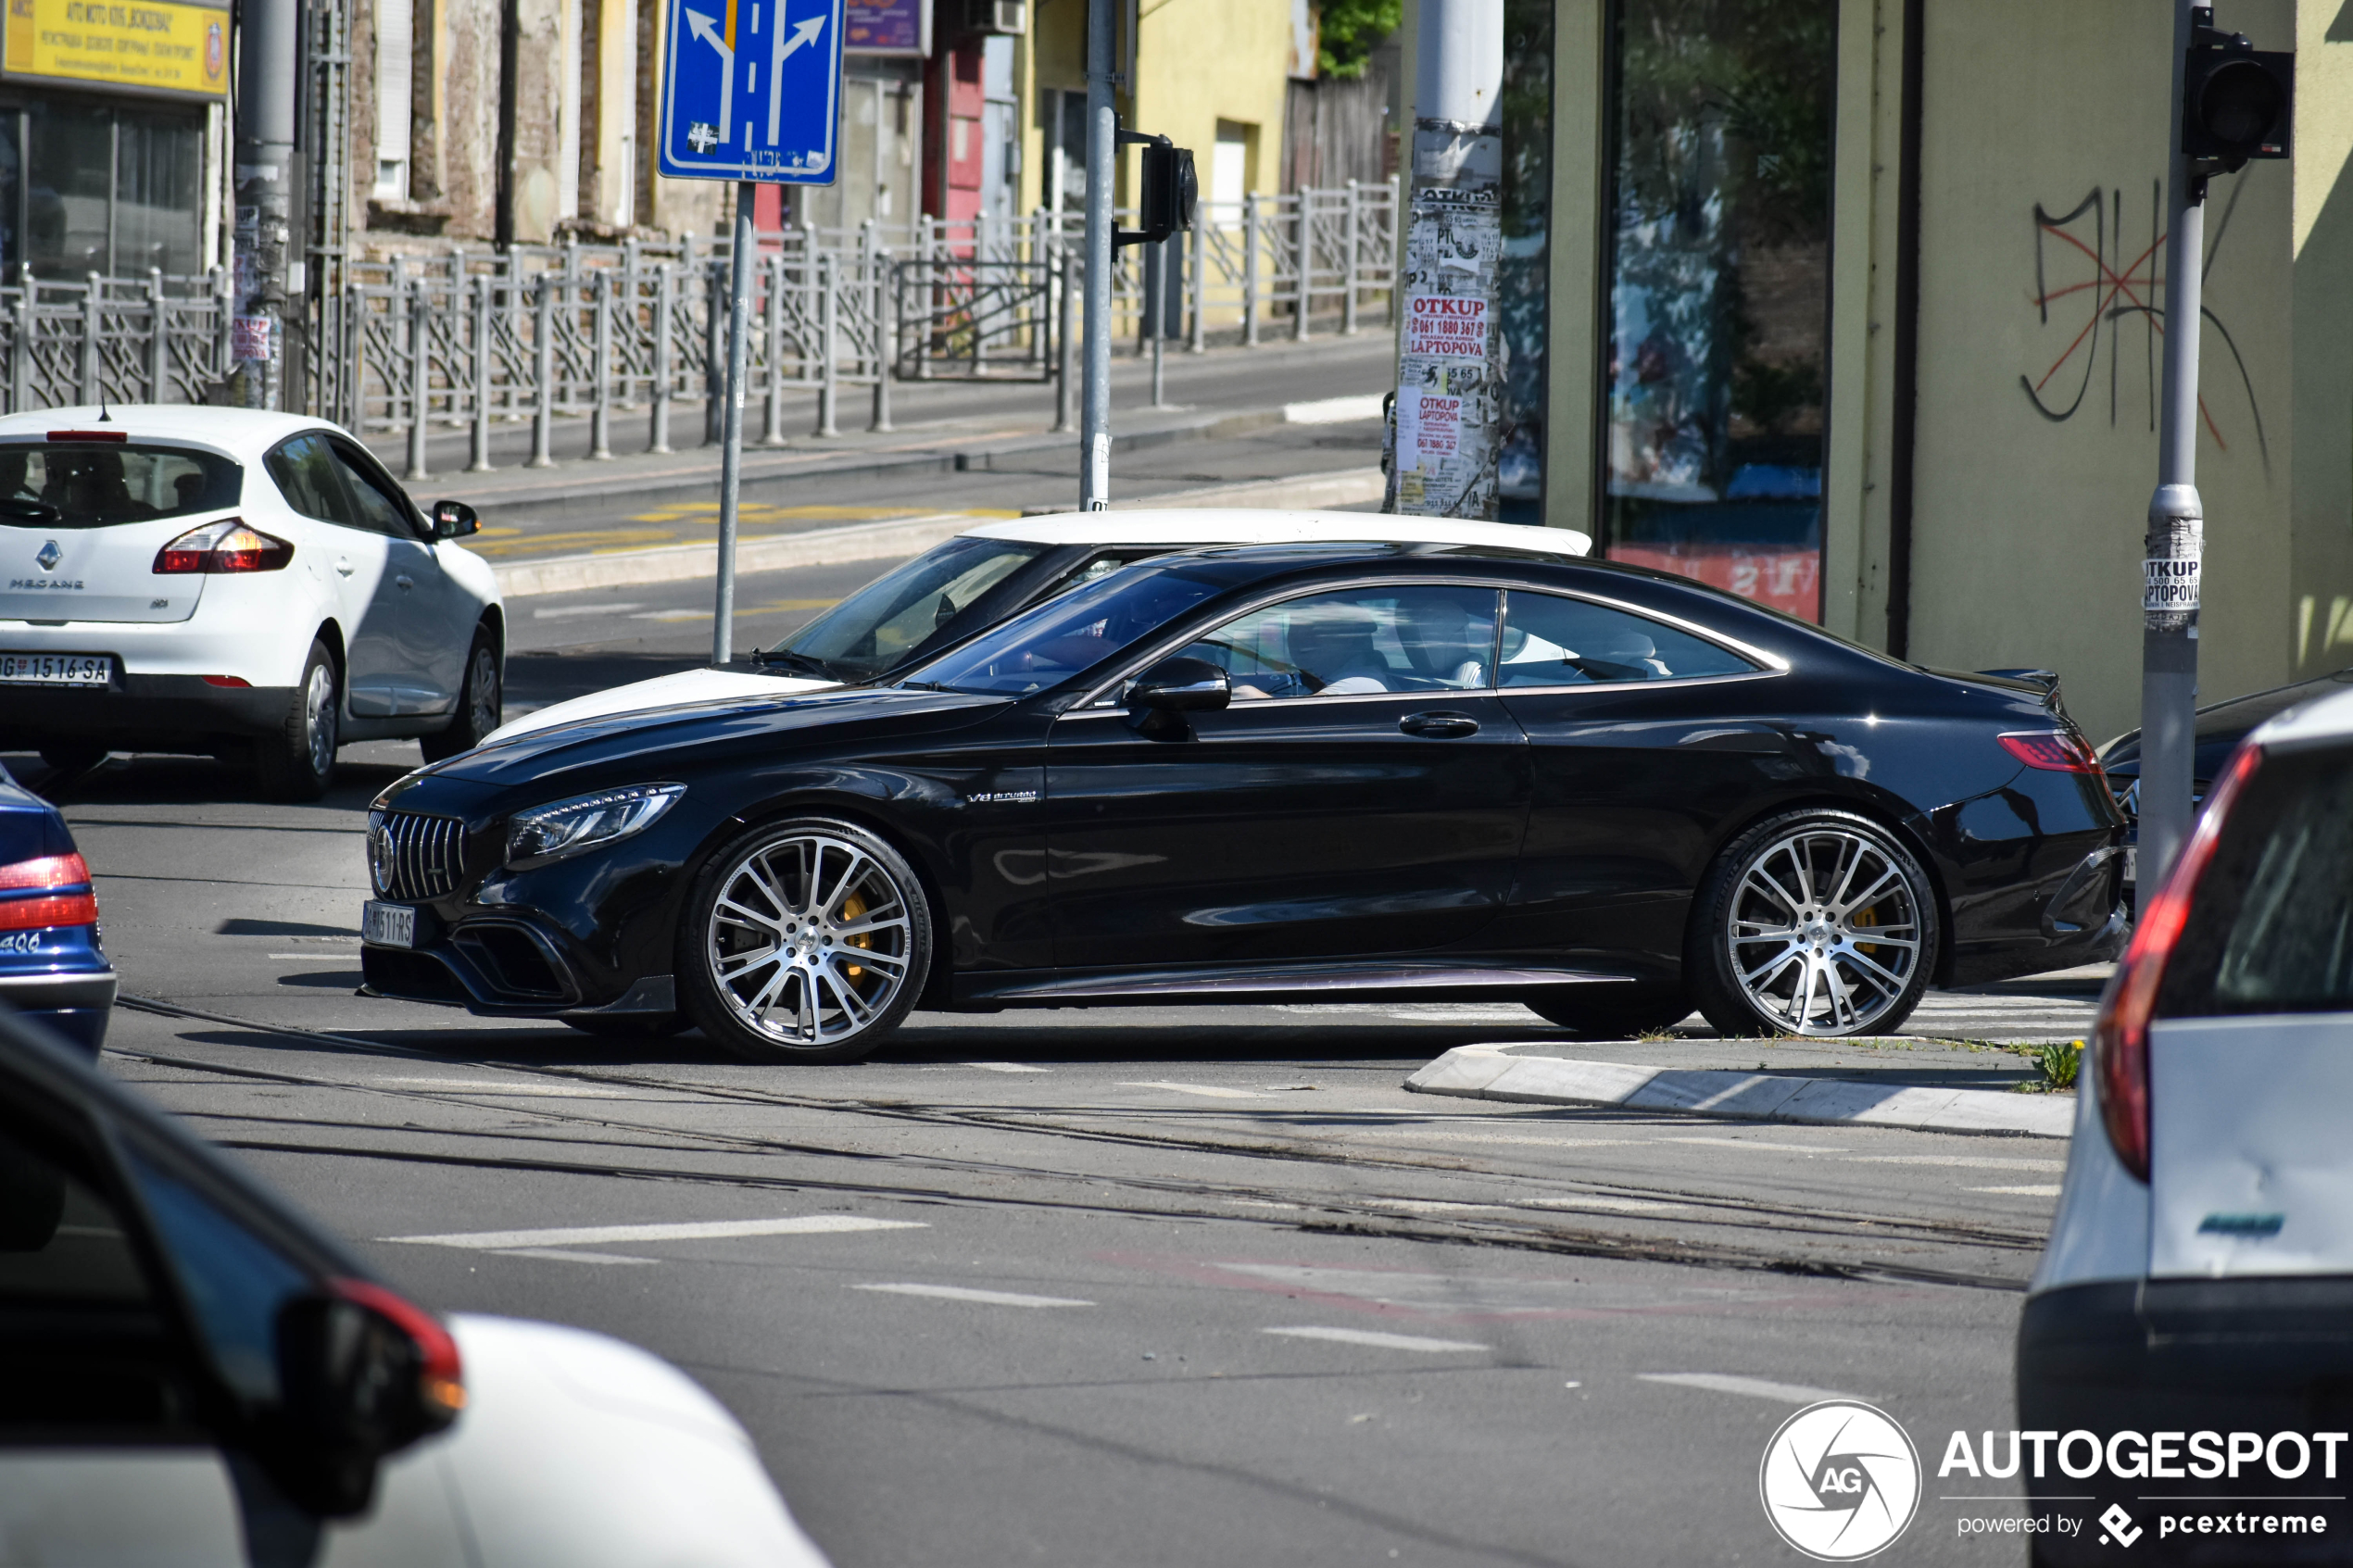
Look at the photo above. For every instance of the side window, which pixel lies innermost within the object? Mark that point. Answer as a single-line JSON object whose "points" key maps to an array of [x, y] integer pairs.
{"points": [[305, 472], [375, 509], [1358, 641], [235, 1282], [1553, 641]]}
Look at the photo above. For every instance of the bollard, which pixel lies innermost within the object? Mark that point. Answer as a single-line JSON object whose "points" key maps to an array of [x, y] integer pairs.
{"points": [[420, 375], [1249, 269], [92, 323], [600, 415], [1066, 344], [543, 418], [774, 434], [158, 338], [1355, 229], [484, 301], [828, 385], [885, 342], [1303, 256], [20, 356], [658, 434], [1197, 287], [714, 361]]}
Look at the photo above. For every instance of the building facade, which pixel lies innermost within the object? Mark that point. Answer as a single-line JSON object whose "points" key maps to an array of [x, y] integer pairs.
{"points": [[1855, 306]]}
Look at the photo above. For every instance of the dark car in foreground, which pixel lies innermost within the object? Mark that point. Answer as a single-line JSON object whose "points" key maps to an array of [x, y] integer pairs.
{"points": [[1318, 770], [52, 969]]}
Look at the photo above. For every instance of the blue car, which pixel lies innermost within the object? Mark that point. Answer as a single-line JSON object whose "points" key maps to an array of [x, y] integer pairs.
{"points": [[52, 969]]}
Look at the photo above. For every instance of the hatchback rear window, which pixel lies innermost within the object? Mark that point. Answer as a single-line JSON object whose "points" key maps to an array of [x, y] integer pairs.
{"points": [[2270, 927], [72, 485]]}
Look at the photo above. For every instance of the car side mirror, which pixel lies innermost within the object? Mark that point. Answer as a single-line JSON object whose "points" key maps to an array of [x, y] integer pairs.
{"points": [[454, 520], [362, 1373], [1160, 697]]}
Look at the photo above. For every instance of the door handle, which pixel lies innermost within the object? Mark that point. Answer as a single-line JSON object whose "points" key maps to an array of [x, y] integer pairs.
{"points": [[406, 581], [1440, 724]]}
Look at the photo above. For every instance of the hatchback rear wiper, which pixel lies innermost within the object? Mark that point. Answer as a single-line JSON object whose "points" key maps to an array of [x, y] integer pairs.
{"points": [[36, 511]]}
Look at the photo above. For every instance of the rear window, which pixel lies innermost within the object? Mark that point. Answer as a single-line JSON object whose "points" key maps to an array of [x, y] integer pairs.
{"points": [[76, 486], [2270, 928]]}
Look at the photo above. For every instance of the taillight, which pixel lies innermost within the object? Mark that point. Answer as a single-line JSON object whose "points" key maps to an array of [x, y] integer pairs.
{"points": [[441, 1383], [226, 546], [56, 909], [2054, 751], [2120, 1038]]}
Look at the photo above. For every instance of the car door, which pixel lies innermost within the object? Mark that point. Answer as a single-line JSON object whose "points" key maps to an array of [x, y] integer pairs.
{"points": [[305, 470], [1363, 794], [432, 616], [1638, 747]]}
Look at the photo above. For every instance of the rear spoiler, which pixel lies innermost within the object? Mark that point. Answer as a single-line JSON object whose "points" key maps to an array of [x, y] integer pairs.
{"points": [[2046, 679]]}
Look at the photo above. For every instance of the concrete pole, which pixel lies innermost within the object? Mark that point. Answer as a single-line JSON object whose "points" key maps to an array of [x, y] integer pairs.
{"points": [[1102, 151], [268, 73], [731, 419], [2175, 547]]}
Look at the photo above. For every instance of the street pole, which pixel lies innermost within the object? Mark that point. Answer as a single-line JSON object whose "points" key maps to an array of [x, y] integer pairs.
{"points": [[267, 72], [2175, 546], [731, 429], [1103, 147]]}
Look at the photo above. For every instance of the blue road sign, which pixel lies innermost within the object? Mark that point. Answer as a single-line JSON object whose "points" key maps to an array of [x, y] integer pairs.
{"points": [[751, 90]]}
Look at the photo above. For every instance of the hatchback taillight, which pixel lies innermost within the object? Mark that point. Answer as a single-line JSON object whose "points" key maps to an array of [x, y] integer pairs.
{"points": [[2055, 751], [227, 545], [2120, 1038], [44, 907]]}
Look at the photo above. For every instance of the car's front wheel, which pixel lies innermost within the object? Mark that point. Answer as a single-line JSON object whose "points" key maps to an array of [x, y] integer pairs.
{"points": [[296, 761], [479, 705], [1812, 923], [804, 941]]}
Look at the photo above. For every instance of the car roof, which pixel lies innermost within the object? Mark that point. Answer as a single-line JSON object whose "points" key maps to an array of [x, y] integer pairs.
{"points": [[2316, 722], [242, 433], [1250, 525]]}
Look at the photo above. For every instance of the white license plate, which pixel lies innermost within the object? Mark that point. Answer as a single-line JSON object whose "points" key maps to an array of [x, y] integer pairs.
{"points": [[387, 925], [56, 669], [2132, 865]]}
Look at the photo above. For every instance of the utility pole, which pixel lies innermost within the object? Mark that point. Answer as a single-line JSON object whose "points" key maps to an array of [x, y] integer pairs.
{"points": [[267, 71], [1102, 151], [1448, 403]]}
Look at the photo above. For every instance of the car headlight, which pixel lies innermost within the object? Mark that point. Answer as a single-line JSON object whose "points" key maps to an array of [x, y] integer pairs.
{"points": [[584, 821]]}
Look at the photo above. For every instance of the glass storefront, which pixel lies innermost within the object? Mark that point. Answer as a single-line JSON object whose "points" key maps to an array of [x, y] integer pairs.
{"points": [[95, 187], [1522, 279], [1714, 389]]}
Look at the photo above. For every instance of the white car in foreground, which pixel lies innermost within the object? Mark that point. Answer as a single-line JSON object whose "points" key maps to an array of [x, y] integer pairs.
{"points": [[960, 588], [2185, 1354], [233, 581]]}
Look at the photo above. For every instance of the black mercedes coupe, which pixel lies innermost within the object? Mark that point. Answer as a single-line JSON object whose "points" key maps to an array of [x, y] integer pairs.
{"points": [[1274, 772]]}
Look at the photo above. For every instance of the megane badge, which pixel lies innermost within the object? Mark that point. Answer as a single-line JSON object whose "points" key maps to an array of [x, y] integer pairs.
{"points": [[50, 556]]}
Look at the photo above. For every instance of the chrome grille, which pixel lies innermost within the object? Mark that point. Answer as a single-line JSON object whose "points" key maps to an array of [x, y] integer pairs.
{"points": [[411, 856]]}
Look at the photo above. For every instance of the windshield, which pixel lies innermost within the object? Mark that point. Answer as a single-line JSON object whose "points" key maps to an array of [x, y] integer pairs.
{"points": [[1050, 644], [91, 485], [885, 623]]}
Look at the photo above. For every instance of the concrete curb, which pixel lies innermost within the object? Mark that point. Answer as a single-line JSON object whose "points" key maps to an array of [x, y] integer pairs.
{"points": [[1489, 1071]]}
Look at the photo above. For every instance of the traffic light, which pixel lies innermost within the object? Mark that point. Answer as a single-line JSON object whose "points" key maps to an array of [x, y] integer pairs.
{"points": [[1170, 191], [2238, 102]]}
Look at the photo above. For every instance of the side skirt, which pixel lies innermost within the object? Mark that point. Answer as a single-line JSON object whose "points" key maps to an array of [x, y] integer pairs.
{"points": [[1356, 980]]}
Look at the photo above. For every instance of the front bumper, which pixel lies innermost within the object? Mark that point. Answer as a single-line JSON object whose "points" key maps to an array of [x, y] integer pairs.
{"points": [[2186, 1358], [153, 712]]}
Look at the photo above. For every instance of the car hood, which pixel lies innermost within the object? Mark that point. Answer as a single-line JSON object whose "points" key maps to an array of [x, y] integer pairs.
{"points": [[2222, 725], [686, 687]]}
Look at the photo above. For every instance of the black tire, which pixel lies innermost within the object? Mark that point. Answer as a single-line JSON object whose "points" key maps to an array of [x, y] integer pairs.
{"points": [[73, 757], [480, 702], [634, 1026], [1591, 1011], [790, 887], [298, 760], [1816, 923]]}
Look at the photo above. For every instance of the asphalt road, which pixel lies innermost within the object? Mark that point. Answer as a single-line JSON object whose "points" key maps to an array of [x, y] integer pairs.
{"points": [[1150, 1287]]}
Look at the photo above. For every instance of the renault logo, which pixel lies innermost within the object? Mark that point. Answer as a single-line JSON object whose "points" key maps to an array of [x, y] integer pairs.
{"points": [[50, 556]]}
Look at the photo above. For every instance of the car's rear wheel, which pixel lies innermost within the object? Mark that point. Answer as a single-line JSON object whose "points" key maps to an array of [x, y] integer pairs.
{"points": [[1812, 923], [296, 761], [1589, 1010], [479, 705], [804, 941]]}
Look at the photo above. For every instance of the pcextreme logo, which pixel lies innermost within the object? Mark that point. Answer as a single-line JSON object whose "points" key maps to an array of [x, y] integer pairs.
{"points": [[1841, 1481]]}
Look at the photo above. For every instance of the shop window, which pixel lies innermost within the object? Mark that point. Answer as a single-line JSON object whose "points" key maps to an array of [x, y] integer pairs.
{"points": [[104, 190], [1716, 382], [1522, 272]]}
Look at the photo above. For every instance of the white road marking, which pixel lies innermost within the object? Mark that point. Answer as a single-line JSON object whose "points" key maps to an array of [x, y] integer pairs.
{"points": [[1754, 1387], [1378, 1341], [985, 1297], [492, 1086], [1004, 1067], [1611, 1205], [1452, 1136], [1971, 1162], [318, 957], [691, 1230], [1333, 410], [671, 615], [1759, 1142], [561, 1256], [568, 611], [1211, 1090], [2050, 1191]]}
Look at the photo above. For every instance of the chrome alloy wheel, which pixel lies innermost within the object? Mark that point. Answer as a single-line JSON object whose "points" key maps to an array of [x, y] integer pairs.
{"points": [[319, 719], [809, 939], [1824, 932], [481, 691]]}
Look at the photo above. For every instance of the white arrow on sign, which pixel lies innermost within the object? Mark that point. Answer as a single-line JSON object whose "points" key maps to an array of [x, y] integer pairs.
{"points": [[701, 27], [802, 32]]}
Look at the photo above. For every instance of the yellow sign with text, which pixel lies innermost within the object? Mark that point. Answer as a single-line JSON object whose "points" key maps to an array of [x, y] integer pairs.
{"points": [[154, 46]]}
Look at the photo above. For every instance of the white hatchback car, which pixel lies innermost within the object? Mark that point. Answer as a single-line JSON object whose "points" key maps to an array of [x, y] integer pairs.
{"points": [[249, 583], [2186, 1347], [960, 588]]}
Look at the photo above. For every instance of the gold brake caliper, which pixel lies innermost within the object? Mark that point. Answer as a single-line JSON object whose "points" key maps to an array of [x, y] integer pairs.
{"points": [[851, 908]]}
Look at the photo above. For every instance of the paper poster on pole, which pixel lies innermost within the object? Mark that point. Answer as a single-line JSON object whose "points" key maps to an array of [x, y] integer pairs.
{"points": [[1448, 405]]}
